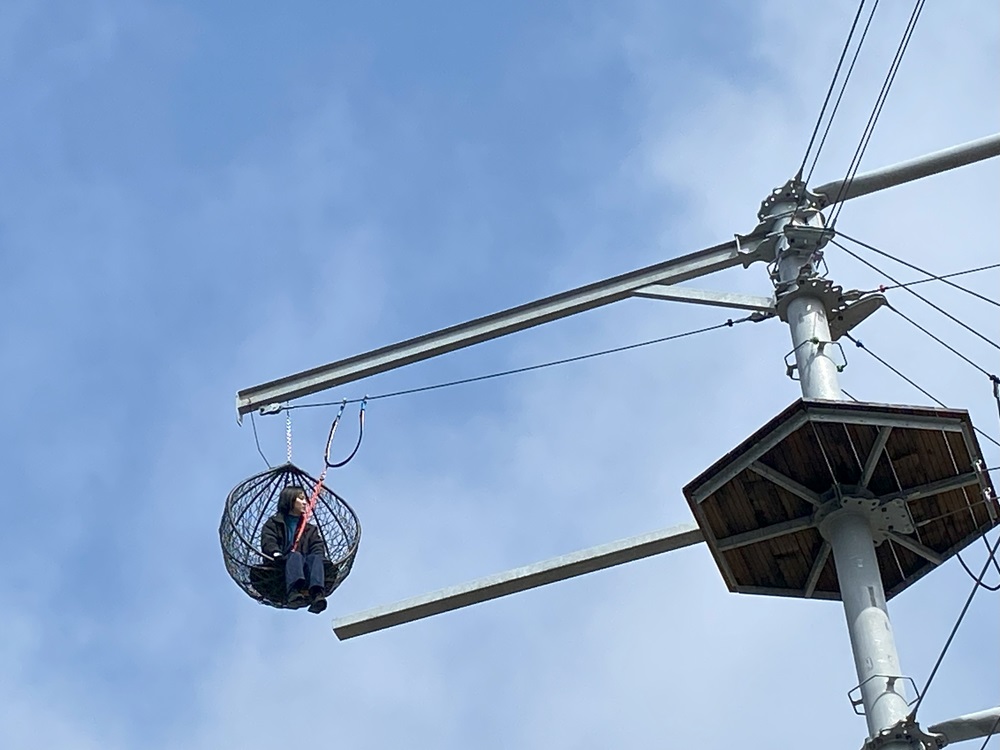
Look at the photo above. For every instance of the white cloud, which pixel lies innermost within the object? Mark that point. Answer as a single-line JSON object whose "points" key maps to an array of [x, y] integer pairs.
{"points": [[293, 261]]}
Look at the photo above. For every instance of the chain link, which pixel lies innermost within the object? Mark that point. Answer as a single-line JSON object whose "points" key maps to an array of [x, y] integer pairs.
{"points": [[288, 435]]}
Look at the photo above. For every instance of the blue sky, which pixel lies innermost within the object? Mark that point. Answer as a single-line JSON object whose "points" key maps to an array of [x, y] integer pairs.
{"points": [[196, 200]]}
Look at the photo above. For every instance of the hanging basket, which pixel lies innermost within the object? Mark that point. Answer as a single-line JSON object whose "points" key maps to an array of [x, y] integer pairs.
{"points": [[255, 500]]}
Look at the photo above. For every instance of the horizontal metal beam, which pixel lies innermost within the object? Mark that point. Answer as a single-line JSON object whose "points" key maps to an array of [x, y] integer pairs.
{"points": [[704, 297], [933, 488], [897, 174], [969, 727], [726, 255], [882, 419], [764, 533], [518, 579]]}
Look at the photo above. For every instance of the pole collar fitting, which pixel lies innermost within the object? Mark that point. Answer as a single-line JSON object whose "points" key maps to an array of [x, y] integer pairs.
{"points": [[908, 731], [884, 516]]}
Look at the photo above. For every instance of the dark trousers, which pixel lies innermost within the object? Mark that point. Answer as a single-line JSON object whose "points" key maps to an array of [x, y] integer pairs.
{"points": [[303, 571]]}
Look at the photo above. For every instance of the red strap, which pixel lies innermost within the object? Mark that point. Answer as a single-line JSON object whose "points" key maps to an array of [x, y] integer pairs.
{"points": [[310, 506]]}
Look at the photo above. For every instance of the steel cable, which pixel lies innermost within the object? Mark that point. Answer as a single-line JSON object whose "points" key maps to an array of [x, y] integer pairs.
{"points": [[866, 135], [843, 87], [954, 630], [256, 441], [915, 294], [516, 371], [860, 345], [942, 277], [933, 277]]}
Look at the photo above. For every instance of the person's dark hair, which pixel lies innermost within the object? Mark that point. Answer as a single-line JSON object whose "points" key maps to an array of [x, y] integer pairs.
{"points": [[287, 497]]}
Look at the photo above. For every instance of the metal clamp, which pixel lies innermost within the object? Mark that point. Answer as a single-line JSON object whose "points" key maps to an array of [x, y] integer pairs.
{"points": [[906, 730], [793, 191], [830, 295], [806, 239], [984, 486]]}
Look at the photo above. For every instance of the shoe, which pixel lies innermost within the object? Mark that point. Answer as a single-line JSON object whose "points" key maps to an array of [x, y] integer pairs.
{"points": [[318, 605], [296, 599]]}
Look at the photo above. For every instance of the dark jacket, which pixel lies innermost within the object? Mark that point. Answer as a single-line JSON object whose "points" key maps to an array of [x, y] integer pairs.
{"points": [[274, 536]]}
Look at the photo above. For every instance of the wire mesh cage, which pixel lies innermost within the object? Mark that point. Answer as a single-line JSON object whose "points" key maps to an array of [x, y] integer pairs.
{"points": [[252, 502]]}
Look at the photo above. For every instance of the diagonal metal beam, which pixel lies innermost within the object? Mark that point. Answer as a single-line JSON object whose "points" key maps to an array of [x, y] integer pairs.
{"points": [[704, 297], [726, 255], [518, 579], [743, 462], [787, 483], [916, 547], [817, 569], [876, 452], [923, 166]]}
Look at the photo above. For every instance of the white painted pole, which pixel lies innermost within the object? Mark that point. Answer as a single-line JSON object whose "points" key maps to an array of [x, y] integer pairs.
{"points": [[867, 620], [848, 533]]}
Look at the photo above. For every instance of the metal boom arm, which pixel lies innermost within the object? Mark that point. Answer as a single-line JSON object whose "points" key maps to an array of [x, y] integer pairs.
{"points": [[600, 293], [518, 579], [496, 325], [924, 166]]}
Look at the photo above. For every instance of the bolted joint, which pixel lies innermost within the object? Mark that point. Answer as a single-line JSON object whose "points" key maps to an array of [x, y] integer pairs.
{"points": [[829, 294], [794, 192], [884, 516], [804, 239], [908, 732]]}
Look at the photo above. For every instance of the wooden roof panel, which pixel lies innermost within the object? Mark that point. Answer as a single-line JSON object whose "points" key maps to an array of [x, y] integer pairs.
{"points": [[820, 445]]}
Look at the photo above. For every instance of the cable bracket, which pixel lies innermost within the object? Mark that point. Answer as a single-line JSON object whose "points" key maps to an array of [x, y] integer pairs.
{"points": [[890, 687], [791, 367], [986, 488]]}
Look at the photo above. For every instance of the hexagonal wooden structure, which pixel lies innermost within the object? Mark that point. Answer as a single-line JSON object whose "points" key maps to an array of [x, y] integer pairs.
{"points": [[915, 469]]}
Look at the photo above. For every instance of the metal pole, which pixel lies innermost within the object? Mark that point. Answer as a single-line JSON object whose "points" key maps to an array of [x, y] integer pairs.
{"points": [[872, 641], [914, 169], [848, 533]]}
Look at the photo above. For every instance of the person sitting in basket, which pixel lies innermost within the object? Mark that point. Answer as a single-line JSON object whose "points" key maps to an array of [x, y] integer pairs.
{"points": [[303, 563]]}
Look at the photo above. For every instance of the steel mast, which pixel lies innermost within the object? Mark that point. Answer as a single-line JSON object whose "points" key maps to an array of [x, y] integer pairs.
{"points": [[799, 295]]}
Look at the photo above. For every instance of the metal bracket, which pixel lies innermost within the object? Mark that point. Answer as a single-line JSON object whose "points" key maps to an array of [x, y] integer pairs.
{"points": [[763, 241], [793, 191], [801, 203], [791, 367], [830, 294], [906, 730], [984, 486], [847, 315], [890, 687], [886, 515], [807, 239], [844, 310]]}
